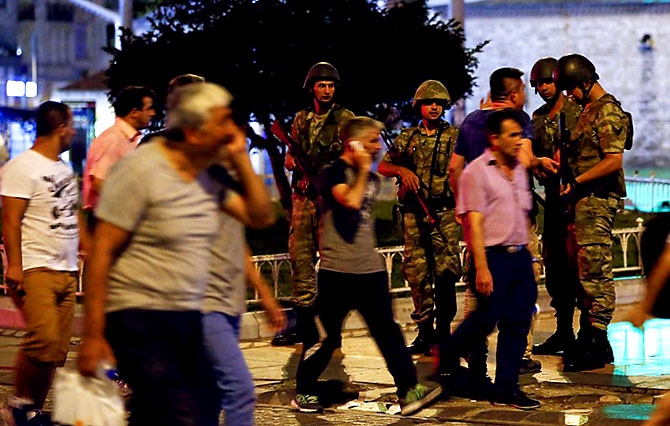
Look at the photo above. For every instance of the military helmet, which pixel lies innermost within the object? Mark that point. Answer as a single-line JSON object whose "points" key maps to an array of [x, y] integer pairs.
{"points": [[321, 71], [542, 70], [432, 89], [572, 70]]}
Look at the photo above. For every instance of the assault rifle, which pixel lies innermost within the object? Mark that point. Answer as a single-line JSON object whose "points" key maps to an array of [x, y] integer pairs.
{"points": [[295, 149], [398, 158]]}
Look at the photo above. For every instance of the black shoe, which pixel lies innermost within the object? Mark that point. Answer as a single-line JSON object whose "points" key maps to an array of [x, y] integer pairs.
{"points": [[454, 382], [582, 364], [608, 353], [461, 383], [591, 351], [530, 366], [287, 339], [516, 399], [420, 346], [480, 388], [556, 344]]}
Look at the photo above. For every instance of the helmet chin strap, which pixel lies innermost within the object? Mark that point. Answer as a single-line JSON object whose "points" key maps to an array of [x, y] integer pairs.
{"points": [[586, 92]]}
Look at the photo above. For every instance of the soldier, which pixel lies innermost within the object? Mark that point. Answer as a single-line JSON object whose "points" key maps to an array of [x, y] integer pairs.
{"points": [[595, 189], [419, 159], [316, 130], [561, 280]]}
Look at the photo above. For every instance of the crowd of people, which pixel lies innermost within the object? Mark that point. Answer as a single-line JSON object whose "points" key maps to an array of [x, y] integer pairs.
{"points": [[166, 271]]}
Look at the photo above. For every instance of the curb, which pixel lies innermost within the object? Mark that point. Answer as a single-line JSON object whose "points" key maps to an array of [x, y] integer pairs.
{"points": [[254, 324]]}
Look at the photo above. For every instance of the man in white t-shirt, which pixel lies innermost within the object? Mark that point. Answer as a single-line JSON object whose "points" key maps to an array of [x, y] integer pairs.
{"points": [[41, 233]]}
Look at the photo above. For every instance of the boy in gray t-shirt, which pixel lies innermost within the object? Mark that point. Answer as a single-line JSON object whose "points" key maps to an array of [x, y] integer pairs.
{"points": [[352, 274]]}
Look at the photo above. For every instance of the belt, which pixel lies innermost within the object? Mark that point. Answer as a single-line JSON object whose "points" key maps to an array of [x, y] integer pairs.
{"points": [[506, 249]]}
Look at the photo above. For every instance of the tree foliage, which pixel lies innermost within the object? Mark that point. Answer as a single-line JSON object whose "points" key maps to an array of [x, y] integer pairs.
{"points": [[261, 51]]}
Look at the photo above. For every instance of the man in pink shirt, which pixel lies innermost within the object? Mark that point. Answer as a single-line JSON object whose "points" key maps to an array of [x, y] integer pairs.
{"points": [[134, 109]]}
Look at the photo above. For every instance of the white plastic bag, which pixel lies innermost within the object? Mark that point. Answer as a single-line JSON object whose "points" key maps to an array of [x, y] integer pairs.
{"points": [[86, 401]]}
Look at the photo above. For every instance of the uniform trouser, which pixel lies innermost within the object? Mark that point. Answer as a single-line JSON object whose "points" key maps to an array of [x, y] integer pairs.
{"points": [[302, 250], [509, 307], [340, 293], [591, 235], [561, 278], [534, 248], [431, 266]]}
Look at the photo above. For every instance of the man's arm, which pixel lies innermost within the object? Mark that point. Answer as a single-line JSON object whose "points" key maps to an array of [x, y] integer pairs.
{"points": [[351, 196], [474, 222], [108, 243], [408, 178], [85, 238], [97, 183], [612, 163], [656, 281], [13, 210], [254, 206], [528, 159], [456, 166], [257, 282]]}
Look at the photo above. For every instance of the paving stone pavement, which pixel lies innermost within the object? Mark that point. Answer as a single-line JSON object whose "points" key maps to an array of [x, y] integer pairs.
{"points": [[600, 397]]}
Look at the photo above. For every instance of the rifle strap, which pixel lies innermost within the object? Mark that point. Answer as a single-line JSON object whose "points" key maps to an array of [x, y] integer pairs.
{"points": [[433, 164]]}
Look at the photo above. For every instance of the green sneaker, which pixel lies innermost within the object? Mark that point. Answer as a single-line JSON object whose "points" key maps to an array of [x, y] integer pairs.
{"points": [[418, 397], [306, 403]]}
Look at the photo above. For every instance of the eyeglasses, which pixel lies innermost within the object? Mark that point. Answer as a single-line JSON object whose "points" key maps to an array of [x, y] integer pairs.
{"points": [[540, 81]]}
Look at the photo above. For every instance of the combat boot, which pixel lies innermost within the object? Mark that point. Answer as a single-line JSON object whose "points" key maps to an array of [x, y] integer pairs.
{"points": [[591, 351], [556, 344], [424, 340]]}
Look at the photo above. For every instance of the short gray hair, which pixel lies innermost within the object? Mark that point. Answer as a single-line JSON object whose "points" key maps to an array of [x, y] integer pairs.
{"points": [[355, 127], [191, 105]]}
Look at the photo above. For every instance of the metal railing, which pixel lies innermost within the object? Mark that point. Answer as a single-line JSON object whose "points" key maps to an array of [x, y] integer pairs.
{"points": [[627, 238], [647, 194], [276, 267]]}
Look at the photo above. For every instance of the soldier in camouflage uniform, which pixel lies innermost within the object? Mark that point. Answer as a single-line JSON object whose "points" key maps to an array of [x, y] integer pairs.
{"points": [[431, 265], [316, 130], [596, 187], [561, 279]]}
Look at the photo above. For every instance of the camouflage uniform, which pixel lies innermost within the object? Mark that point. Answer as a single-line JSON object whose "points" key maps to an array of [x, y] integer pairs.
{"points": [[561, 279], [319, 139], [602, 128], [431, 256]]}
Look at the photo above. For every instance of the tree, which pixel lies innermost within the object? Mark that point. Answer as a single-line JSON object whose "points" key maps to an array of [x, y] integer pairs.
{"points": [[261, 51]]}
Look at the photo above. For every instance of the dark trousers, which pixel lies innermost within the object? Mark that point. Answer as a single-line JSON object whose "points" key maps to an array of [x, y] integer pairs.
{"points": [[509, 307], [161, 356], [339, 293], [561, 280]]}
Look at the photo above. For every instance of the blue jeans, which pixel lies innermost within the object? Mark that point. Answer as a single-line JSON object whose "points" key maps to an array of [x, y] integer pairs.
{"points": [[509, 307], [234, 383]]}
